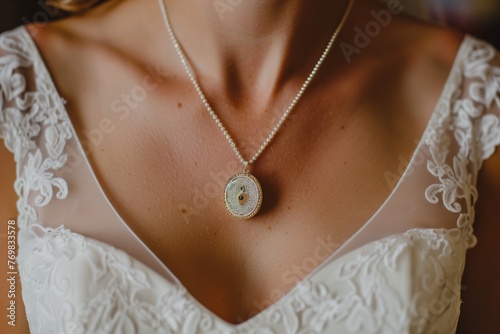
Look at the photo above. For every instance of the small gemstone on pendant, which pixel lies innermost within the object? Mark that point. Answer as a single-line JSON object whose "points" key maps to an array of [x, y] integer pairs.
{"points": [[243, 195]]}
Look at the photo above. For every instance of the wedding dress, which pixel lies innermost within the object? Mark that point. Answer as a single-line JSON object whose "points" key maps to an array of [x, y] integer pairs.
{"points": [[84, 271]]}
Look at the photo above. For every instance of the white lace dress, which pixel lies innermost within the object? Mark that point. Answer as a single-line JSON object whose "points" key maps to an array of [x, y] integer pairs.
{"points": [[77, 278]]}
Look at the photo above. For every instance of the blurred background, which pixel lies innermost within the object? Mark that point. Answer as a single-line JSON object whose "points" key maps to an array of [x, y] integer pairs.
{"points": [[480, 18]]}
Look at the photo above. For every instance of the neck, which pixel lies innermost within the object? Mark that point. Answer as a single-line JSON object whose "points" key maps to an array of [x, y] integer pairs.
{"points": [[253, 46]]}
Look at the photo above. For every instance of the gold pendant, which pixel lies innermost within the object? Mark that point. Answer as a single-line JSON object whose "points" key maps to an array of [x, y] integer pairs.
{"points": [[243, 196]]}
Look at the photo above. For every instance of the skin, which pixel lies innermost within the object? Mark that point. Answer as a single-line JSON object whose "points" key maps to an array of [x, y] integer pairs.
{"points": [[253, 63]]}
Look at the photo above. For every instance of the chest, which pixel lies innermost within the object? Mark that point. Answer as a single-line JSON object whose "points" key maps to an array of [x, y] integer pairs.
{"points": [[164, 165]]}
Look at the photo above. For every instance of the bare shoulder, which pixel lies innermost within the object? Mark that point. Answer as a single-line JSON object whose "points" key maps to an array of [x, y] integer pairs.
{"points": [[67, 47], [111, 26], [103, 48], [384, 29], [90, 26], [418, 53], [408, 61]]}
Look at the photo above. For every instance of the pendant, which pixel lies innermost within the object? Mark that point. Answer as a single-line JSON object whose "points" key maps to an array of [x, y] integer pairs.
{"points": [[243, 196]]}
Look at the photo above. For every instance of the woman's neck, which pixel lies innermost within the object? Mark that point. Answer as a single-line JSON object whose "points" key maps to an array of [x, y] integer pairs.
{"points": [[259, 43]]}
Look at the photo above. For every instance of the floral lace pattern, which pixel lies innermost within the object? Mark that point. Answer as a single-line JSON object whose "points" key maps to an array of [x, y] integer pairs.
{"points": [[404, 283], [477, 133], [26, 115], [358, 294]]}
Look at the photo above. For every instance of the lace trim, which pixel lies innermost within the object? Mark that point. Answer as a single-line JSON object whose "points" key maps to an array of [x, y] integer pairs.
{"points": [[476, 133], [27, 116], [359, 294]]}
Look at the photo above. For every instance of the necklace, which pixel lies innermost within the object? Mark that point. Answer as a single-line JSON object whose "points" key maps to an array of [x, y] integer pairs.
{"points": [[243, 193]]}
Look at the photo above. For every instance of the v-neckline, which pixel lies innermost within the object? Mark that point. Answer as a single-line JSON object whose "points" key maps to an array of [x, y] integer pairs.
{"points": [[338, 253]]}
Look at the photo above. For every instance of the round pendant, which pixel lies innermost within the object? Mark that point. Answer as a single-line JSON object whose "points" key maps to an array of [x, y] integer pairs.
{"points": [[243, 196]]}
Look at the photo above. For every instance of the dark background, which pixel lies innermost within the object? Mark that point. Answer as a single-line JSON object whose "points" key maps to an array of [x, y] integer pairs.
{"points": [[480, 18]]}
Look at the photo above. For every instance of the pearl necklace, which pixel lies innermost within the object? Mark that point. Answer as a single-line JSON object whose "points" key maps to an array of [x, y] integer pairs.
{"points": [[243, 193]]}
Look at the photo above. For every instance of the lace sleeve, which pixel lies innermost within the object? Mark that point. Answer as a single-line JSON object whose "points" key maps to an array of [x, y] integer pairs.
{"points": [[32, 124], [17, 112], [482, 76]]}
